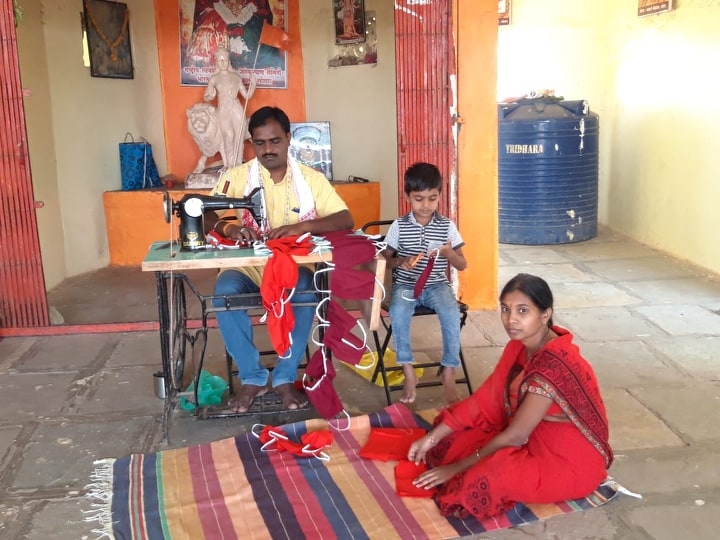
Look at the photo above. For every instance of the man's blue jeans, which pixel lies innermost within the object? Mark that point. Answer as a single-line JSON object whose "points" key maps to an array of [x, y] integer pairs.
{"points": [[440, 298], [237, 332]]}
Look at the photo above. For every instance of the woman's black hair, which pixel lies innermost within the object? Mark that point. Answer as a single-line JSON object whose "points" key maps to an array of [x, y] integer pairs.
{"points": [[535, 288]]}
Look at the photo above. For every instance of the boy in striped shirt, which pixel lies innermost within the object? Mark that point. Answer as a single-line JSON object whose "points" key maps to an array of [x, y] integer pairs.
{"points": [[420, 246]]}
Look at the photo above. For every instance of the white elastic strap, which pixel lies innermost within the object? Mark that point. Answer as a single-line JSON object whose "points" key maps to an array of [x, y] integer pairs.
{"points": [[402, 295], [252, 429], [314, 386], [373, 355], [379, 282], [338, 428], [321, 271], [318, 309], [289, 353], [144, 164], [315, 452], [312, 334]]}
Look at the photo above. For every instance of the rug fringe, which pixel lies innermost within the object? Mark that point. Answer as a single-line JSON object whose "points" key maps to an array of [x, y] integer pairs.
{"points": [[614, 484], [99, 492]]}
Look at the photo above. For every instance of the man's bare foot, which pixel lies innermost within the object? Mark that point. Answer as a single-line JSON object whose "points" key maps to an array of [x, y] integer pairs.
{"points": [[291, 397], [410, 384], [245, 397], [448, 382]]}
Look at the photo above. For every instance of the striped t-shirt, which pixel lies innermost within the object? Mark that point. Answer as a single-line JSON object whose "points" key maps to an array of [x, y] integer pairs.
{"points": [[408, 238]]}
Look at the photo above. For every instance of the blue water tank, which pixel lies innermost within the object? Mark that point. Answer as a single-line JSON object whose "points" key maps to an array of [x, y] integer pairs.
{"points": [[547, 172]]}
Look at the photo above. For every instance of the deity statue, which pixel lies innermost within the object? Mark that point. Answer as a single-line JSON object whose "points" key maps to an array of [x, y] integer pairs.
{"points": [[226, 85]]}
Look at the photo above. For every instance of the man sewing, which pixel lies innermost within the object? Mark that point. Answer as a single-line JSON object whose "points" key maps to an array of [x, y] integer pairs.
{"points": [[297, 200]]}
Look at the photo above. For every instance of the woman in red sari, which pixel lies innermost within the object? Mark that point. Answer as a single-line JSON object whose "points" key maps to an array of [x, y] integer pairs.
{"points": [[535, 431]]}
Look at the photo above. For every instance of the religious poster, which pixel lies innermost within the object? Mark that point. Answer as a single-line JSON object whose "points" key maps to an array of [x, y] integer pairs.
{"points": [[503, 12], [651, 7], [238, 26], [349, 21]]}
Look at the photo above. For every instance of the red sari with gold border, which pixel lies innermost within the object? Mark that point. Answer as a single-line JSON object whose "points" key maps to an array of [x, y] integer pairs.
{"points": [[560, 460]]}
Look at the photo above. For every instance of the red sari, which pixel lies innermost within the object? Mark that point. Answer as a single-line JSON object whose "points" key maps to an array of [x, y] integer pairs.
{"points": [[560, 460]]}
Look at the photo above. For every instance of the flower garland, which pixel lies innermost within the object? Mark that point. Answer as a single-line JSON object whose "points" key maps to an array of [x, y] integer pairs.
{"points": [[112, 45]]}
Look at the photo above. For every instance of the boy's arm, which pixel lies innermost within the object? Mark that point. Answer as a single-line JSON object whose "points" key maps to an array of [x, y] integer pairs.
{"points": [[392, 238], [452, 250], [454, 257]]}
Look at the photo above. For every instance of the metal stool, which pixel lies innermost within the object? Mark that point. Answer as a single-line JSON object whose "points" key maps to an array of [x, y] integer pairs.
{"points": [[381, 348]]}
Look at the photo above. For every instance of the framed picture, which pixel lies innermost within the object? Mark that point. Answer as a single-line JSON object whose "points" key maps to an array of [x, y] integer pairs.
{"points": [[349, 21], [107, 25], [310, 145], [651, 7], [503, 12]]}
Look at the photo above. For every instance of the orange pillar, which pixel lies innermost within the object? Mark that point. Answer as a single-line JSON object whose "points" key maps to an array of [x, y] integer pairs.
{"points": [[476, 39]]}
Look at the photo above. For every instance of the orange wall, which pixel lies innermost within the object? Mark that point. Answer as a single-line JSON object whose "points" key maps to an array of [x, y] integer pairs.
{"points": [[182, 153], [476, 35]]}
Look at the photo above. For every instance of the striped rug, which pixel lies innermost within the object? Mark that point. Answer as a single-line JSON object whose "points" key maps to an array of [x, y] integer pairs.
{"points": [[231, 489]]}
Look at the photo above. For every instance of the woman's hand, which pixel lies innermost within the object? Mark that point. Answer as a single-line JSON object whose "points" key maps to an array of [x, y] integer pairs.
{"points": [[419, 448], [435, 477]]}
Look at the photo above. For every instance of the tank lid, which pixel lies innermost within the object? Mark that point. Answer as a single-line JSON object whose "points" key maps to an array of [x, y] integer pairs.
{"points": [[542, 108]]}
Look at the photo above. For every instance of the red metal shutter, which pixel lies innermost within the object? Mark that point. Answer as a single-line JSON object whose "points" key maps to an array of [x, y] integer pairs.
{"points": [[425, 67], [23, 300]]}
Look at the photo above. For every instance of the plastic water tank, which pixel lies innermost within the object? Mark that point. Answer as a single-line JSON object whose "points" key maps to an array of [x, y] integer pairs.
{"points": [[547, 172]]}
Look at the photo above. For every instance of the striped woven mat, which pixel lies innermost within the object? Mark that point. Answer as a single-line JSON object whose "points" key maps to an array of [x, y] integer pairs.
{"points": [[231, 489]]}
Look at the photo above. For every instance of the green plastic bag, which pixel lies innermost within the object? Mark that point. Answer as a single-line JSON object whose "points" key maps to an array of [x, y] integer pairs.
{"points": [[210, 391]]}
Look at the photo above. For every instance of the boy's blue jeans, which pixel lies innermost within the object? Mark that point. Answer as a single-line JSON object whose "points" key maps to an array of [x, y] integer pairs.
{"points": [[236, 329], [440, 298]]}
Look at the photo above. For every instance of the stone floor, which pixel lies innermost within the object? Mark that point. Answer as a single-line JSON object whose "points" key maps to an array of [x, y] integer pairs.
{"points": [[649, 324]]}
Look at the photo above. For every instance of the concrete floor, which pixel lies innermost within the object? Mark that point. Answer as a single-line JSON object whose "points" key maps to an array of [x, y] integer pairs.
{"points": [[649, 324]]}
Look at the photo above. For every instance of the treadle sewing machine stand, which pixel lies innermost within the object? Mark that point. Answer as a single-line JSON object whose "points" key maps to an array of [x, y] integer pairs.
{"points": [[175, 336]]}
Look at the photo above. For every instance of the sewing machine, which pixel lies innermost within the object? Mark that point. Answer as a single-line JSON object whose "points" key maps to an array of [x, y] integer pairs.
{"points": [[191, 207]]}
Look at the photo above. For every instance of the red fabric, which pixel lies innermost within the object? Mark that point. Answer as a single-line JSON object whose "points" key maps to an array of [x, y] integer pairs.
{"points": [[420, 283], [339, 338], [560, 460], [405, 473], [318, 385], [281, 275], [390, 443], [310, 443], [349, 251]]}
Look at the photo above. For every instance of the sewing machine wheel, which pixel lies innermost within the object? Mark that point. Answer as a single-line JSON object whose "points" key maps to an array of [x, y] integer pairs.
{"points": [[167, 207], [179, 334]]}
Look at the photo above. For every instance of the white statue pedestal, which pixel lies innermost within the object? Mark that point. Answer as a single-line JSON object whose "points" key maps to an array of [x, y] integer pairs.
{"points": [[202, 180]]}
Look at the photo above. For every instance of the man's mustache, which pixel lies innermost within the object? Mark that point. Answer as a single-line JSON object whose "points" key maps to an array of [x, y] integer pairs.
{"points": [[269, 155]]}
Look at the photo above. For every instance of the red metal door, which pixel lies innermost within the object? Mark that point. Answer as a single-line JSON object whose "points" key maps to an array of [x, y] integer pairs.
{"points": [[23, 301], [425, 72]]}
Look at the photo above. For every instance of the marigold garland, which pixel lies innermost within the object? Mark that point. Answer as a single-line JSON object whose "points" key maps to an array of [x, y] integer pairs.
{"points": [[112, 45]]}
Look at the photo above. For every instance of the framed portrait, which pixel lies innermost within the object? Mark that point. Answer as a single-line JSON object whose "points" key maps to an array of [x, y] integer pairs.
{"points": [[349, 21], [107, 25], [310, 145]]}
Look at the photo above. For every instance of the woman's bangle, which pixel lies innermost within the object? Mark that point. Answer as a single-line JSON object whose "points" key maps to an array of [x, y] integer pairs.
{"points": [[477, 454], [433, 442]]}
